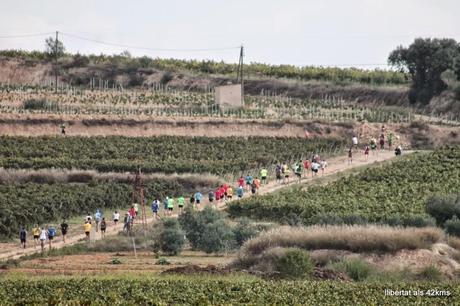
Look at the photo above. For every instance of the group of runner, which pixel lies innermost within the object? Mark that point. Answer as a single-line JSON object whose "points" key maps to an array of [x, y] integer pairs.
{"points": [[43, 234], [374, 146], [223, 193]]}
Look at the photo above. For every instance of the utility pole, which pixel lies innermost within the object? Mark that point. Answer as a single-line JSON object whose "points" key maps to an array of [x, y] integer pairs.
{"points": [[239, 75], [55, 63]]}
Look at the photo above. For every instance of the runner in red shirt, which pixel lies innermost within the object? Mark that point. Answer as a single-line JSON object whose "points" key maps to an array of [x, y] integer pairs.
{"points": [[217, 193], [306, 164], [241, 181]]}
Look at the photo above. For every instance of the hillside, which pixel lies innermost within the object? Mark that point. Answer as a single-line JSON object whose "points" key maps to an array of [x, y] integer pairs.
{"points": [[370, 86]]}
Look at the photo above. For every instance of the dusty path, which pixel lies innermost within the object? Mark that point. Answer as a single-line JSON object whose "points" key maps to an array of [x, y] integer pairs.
{"points": [[335, 165]]}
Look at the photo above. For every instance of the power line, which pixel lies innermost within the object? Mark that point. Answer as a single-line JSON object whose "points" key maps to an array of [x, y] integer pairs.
{"points": [[145, 48], [26, 35]]}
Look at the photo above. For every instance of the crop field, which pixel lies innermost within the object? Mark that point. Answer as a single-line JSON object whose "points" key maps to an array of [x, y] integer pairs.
{"points": [[225, 291], [399, 189], [164, 101], [34, 203], [168, 154]]}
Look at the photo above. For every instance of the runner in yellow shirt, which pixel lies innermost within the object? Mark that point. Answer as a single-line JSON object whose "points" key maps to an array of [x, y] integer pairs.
{"points": [[263, 175], [36, 233], [87, 228]]}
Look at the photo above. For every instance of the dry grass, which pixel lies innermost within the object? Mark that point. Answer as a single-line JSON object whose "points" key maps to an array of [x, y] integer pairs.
{"points": [[454, 242], [50, 176], [352, 238]]}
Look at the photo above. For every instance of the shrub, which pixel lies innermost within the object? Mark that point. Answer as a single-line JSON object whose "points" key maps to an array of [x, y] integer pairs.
{"points": [[34, 104], [457, 92], [324, 219], [430, 273], [171, 237], [166, 78], [194, 223], [244, 231], [357, 269], [217, 237], [419, 221], [442, 208], [294, 263], [291, 219], [452, 226]]}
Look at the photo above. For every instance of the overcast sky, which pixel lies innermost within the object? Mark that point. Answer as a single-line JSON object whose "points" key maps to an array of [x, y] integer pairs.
{"points": [[299, 32]]}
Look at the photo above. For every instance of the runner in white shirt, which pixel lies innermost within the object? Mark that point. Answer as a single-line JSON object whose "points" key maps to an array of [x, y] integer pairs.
{"points": [[116, 217], [43, 236], [314, 168], [323, 165], [355, 141]]}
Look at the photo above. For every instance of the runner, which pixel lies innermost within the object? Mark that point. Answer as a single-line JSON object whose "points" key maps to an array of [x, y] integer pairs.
{"points": [[62, 126], [97, 217], [382, 142], [229, 192], [155, 207], [181, 203], [126, 222], [390, 140], [64, 228], [398, 151], [298, 170], [240, 192], [165, 206], [132, 213], [224, 190], [211, 196], [354, 141], [51, 234], [198, 197], [88, 218], [103, 227], [323, 165], [248, 181], [192, 201], [263, 175], [116, 217], [22, 237], [241, 181], [373, 145], [366, 152], [253, 187], [314, 168], [278, 172], [170, 206], [350, 156], [43, 235], [217, 195], [287, 174], [257, 182], [306, 165], [87, 229], [36, 233], [136, 209]]}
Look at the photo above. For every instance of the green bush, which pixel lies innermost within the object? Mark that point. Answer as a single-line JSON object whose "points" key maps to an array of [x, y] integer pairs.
{"points": [[217, 237], [294, 263], [356, 269], [194, 223], [171, 237], [452, 226], [419, 221], [244, 231], [443, 208], [324, 219]]}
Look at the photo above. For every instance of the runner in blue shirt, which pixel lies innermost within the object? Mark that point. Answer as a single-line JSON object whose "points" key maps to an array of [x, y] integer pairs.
{"points": [[51, 234], [155, 207], [198, 197]]}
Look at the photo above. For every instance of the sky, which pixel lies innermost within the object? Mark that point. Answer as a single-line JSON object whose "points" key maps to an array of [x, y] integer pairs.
{"points": [[358, 33]]}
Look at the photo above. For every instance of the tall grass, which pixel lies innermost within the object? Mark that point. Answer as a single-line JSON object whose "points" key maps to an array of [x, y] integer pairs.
{"points": [[352, 238]]}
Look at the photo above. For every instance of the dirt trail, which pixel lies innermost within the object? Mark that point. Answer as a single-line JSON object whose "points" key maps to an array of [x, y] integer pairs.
{"points": [[335, 165]]}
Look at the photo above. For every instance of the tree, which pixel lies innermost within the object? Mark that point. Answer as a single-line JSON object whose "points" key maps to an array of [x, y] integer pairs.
{"points": [[425, 60], [52, 49]]}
